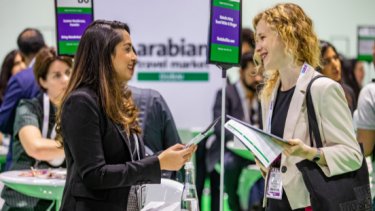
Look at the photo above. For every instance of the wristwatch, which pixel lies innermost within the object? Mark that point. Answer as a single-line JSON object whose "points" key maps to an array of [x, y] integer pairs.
{"points": [[316, 157]]}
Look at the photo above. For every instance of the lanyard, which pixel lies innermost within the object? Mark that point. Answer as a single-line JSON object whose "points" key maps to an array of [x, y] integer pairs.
{"points": [[46, 110], [136, 147], [304, 70]]}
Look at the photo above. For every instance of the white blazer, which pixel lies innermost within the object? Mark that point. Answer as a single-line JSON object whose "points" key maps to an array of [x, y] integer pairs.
{"points": [[341, 149]]}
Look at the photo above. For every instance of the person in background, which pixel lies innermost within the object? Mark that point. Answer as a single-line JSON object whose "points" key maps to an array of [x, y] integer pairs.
{"points": [[366, 121], [247, 38], [12, 64], [241, 103], [353, 74], [159, 130], [97, 121], [21, 85], [207, 154], [247, 45], [332, 68], [34, 143], [289, 49], [359, 72]]}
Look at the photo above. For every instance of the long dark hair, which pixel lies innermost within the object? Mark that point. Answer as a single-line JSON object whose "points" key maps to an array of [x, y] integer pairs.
{"points": [[348, 67], [6, 71], [93, 69], [324, 46]]}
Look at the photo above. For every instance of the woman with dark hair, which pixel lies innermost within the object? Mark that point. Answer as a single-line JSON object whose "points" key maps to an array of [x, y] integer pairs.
{"points": [[332, 68], [353, 75], [99, 128], [12, 64], [34, 143]]}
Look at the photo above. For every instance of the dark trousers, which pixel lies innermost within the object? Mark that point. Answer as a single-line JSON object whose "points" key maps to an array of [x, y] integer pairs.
{"points": [[233, 168], [202, 173], [280, 205], [256, 196]]}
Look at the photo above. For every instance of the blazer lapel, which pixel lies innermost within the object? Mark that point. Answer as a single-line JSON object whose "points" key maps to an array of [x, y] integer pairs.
{"points": [[124, 139], [298, 99]]}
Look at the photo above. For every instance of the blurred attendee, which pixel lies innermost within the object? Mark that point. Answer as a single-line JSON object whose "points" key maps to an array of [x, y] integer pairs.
{"points": [[332, 68], [21, 85], [155, 119], [366, 121], [241, 103], [247, 45], [34, 128], [359, 72], [12, 64], [353, 74], [247, 38], [159, 130]]}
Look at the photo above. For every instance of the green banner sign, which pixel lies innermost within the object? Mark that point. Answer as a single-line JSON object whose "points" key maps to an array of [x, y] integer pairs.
{"points": [[173, 76]]}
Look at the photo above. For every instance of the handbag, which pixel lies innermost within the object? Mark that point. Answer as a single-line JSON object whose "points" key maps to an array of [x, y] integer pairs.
{"points": [[346, 192]]}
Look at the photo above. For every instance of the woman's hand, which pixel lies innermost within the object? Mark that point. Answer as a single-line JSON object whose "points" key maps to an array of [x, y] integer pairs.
{"points": [[262, 168], [173, 158], [296, 147]]}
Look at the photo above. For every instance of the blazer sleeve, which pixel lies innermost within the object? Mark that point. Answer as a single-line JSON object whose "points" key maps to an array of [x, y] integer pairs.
{"points": [[81, 128], [341, 149], [12, 96]]}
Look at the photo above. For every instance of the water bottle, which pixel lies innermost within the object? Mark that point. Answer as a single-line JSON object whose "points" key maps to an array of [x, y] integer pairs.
{"points": [[189, 199]]}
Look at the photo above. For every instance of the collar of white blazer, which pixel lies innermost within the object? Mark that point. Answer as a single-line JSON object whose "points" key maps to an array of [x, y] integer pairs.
{"points": [[307, 72]]}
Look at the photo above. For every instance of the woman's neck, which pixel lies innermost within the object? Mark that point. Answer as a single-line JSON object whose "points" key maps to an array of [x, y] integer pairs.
{"points": [[289, 76], [53, 101]]}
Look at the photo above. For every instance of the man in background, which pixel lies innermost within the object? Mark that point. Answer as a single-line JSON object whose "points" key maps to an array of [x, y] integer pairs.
{"points": [[23, 84], [366, 119]]}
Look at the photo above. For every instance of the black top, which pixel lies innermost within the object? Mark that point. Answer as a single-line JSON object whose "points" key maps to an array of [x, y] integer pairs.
{"points": [[280, 111]]}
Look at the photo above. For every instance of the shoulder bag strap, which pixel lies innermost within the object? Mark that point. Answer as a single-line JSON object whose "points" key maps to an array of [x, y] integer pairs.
{"points": [[313, 123]]}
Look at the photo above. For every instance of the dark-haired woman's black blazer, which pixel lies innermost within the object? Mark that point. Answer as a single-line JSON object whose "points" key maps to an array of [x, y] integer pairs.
{"points": [[99, 167]]}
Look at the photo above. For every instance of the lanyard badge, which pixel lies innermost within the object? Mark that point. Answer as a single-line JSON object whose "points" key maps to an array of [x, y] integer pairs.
{"points": [[274, 188]]}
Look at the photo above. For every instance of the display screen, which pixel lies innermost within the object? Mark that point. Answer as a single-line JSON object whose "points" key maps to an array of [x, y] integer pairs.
{"points": [[72, 18], [225, 29], [366, 39]]}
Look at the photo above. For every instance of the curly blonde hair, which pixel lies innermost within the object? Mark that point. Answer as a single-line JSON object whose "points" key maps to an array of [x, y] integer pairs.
{"points": [[296, 31]]}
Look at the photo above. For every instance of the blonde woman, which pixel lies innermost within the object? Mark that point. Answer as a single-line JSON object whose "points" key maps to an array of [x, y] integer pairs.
{"points": [[289, 49]]}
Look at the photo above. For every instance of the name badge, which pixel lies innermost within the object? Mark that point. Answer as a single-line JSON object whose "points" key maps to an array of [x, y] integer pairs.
{"points": [[274, 184]]}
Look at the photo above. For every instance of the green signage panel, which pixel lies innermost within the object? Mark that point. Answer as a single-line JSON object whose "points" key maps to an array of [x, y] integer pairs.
{"points": [[173, 76]]}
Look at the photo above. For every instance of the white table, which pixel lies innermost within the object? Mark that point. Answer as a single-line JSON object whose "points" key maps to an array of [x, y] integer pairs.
{"points": [[50, 189], [166, 195]]}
